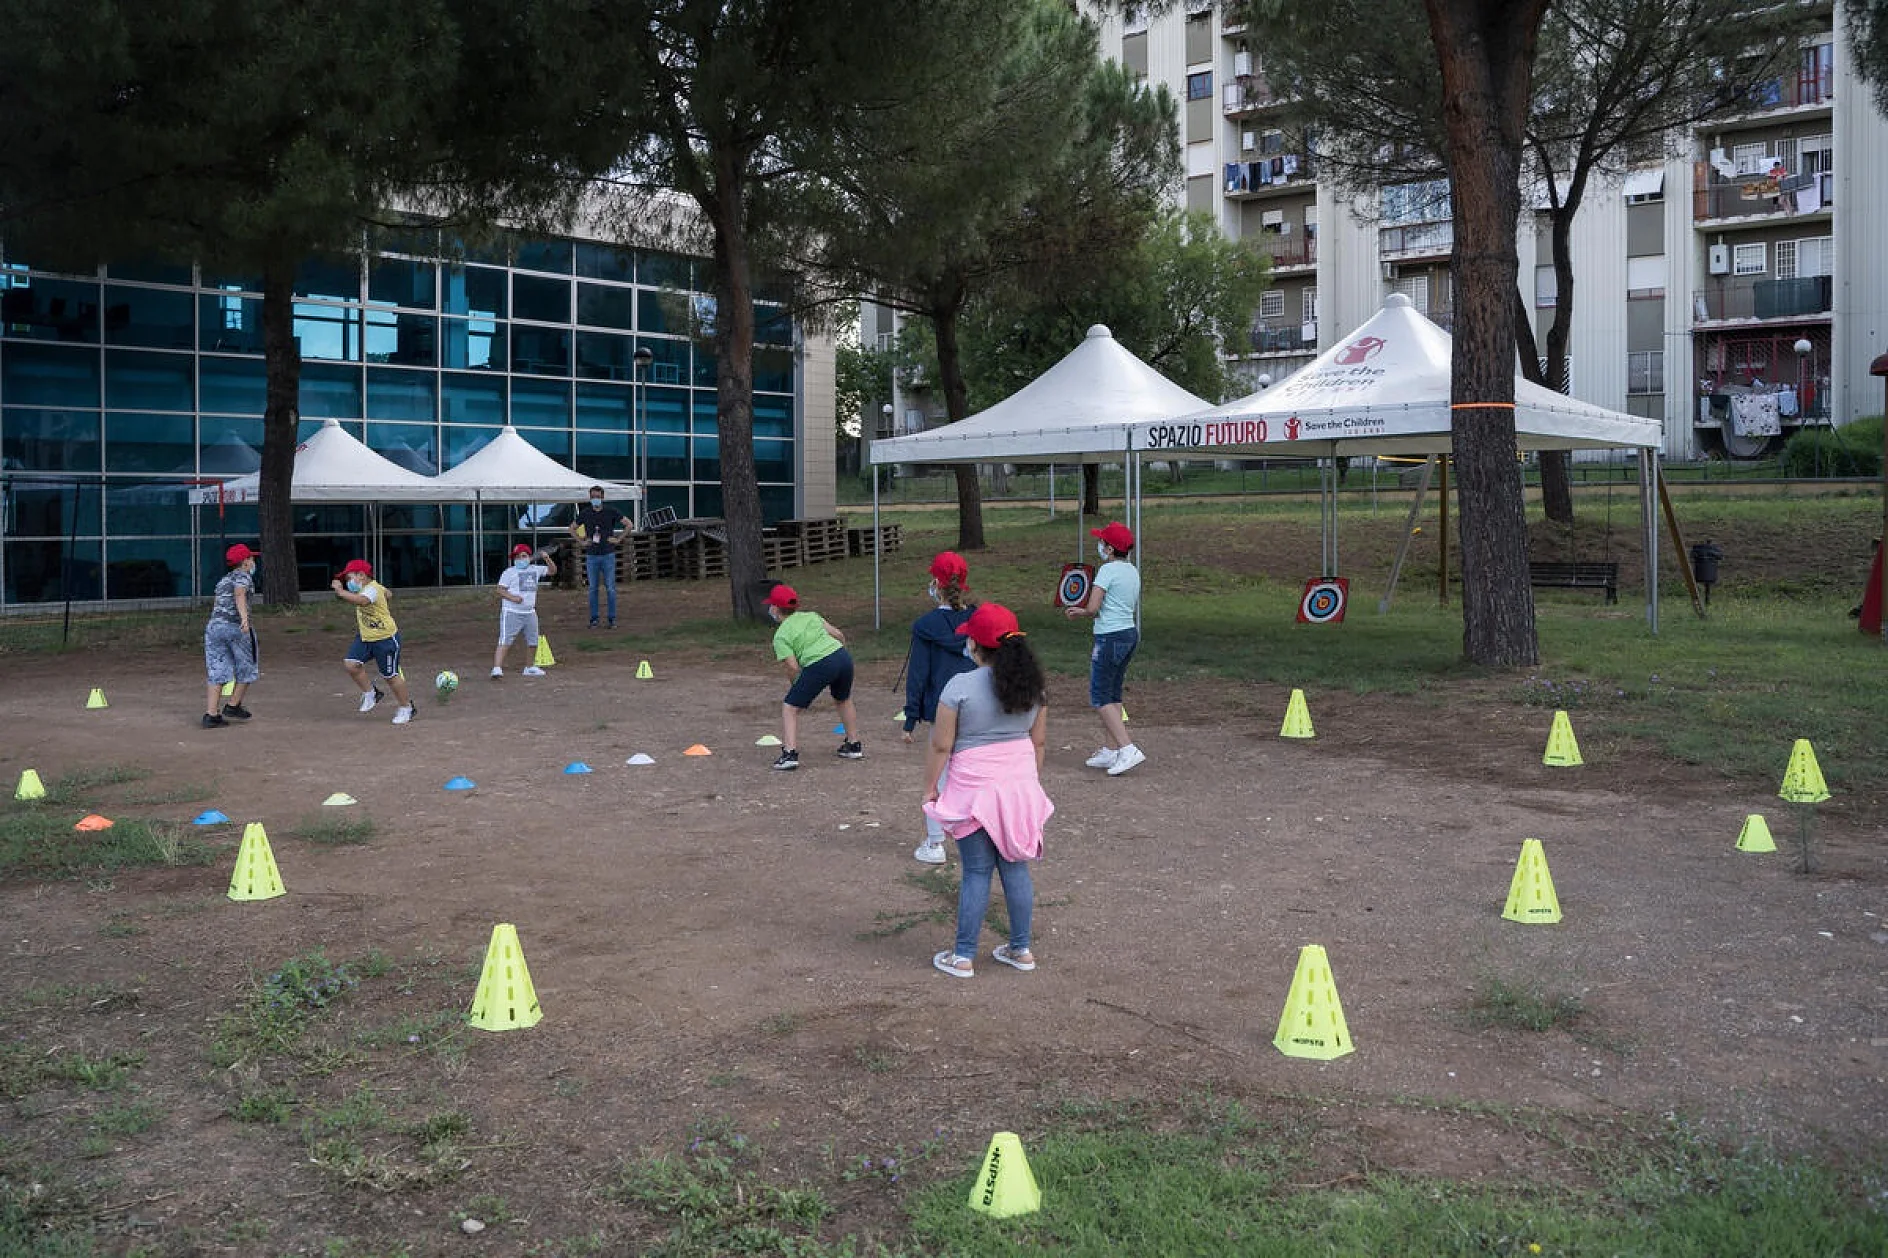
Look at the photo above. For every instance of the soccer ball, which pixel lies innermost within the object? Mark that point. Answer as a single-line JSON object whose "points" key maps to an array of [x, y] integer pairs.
{"points": [[447, 681]]}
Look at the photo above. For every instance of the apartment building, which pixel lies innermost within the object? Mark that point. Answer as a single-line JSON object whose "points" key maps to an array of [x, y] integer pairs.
{"points": [[1735, 291]]}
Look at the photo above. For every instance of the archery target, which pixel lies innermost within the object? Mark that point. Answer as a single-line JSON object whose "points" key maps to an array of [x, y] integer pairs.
{"points": [[1323, 601], [1072, 590]]}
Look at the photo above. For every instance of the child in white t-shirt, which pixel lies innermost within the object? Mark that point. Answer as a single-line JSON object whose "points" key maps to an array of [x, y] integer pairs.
{"points": [[518, 613]]}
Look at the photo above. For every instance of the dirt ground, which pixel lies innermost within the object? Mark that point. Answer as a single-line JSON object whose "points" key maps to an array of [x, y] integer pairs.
{"points": [[713, 942]]}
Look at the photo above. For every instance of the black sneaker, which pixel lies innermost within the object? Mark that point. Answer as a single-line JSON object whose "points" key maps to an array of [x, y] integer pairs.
{"points": [[236, 712], [851, 751], [789, 759], [593, 623], [213, 722]]}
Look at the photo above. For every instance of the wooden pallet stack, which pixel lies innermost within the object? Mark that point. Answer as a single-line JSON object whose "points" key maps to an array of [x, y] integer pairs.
{"points": [[646, 557], [867, 541], [780, 551], [822, 539], [701, 549]]}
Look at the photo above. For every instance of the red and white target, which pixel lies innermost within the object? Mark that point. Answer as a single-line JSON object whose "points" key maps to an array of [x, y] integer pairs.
{"points": [[1323, 601], [1072, 589]]}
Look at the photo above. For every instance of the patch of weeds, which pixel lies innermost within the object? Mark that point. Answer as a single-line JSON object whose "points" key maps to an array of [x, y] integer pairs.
{"points": [[1576, 692], [937, 882], [100, 1074], [37, 843], [181, 793], [93, 1147], [877, 1060], [88, 998], [268, 1107], [781, 1025], [724, 1079], [568, 1089], [117, 927], [335, 831], [716, 1200], [133, 1119], [69, 787], [363, 1110], [1523, 1007], [486, 1208], [415, 1031], [310, 981], [891, 1167], [278, 1009]]}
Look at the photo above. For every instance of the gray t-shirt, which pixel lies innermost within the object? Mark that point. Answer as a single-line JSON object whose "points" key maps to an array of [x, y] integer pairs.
{"points": [[224, 608], [981, 720]]}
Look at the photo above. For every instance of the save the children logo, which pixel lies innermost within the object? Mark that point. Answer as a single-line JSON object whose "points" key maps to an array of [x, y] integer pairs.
{"points": [[1291, 428], [1360, 350]]}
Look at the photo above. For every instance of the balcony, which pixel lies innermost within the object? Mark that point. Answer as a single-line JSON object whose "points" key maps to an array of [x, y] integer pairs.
{"points": [[1249, 93], [1268, 173], [1287, 251], [1764, 299], [1763, 196], [1806, 89], [1276, 337], [1416, 240]]}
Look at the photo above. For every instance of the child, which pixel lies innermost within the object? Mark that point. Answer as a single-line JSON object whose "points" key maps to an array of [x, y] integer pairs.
{"points": [[377, 639], [1114, 600], [986, 750], [518, 589], [937, 655], [229, 644], [816, 658]]}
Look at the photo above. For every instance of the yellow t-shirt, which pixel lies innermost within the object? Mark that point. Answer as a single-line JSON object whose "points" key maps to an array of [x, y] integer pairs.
{"points": [[375, 619]]}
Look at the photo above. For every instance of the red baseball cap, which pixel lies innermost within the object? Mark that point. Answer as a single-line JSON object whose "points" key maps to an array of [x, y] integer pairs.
{"points": [[783, 597], [989, 625], [522, 548], [1117, 535], [239, 553], [358, 565], [950, 566]]}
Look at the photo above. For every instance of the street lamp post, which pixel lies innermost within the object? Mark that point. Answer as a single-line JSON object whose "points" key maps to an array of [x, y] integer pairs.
{"points": [[1803, 348], [885, 430], [639, 460], [1880, 368]]}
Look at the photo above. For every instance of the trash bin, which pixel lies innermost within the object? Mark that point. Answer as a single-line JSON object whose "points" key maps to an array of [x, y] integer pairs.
{"points": [[1704, 565]]}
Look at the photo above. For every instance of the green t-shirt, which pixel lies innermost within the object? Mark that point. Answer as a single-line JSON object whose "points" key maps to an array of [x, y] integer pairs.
{"points": [[803, 636]]}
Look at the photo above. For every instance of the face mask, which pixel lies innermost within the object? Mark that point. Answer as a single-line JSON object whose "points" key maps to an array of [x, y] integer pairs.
{"points": [[967, 654], [596, 502], [1101, 549], [521, 563], [353, 586], [931, 591]]}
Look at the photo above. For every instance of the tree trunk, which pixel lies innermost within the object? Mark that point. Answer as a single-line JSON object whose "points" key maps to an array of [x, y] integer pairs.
{"points": [[734, 398], [281, 431], [956, 406], [1556, 480], [1556, 494], [1486, 51], [1091, 489]]}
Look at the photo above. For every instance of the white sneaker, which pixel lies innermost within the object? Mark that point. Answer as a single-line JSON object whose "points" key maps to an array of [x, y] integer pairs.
{"points": [[1126, 759], [498, 672], [1101, 759], [369, 699], [533, 671], [403, 715], [929, 853]]}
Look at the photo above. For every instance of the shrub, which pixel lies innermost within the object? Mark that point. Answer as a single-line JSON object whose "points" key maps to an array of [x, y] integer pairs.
{"points": [[1851, 450]]}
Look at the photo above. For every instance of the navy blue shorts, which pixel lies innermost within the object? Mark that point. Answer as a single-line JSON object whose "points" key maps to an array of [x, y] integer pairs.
{"points": [[1108, 665], [384, 654], [835, 672]]}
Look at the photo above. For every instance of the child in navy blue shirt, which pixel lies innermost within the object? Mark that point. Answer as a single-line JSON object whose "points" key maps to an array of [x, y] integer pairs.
{"points": [[937, 655]]}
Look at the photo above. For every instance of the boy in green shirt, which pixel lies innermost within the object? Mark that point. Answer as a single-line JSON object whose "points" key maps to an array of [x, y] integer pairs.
{"points": [[816, 658]]}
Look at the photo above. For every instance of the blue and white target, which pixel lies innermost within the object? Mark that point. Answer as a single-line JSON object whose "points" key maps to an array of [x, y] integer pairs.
{"points": [[1073, 589], [1323, 601]]}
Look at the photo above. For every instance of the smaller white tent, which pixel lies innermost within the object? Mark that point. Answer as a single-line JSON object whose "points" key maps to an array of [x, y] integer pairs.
{"points": [[510, 469], [1076, 411], [333, 466]]}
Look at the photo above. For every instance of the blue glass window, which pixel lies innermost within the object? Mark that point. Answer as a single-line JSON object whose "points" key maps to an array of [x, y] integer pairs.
{"points": [[665, 270], [707, 458], [331, 392], [605, 408], [153, 569], [543, 255], [231, 447], [48, 441], [153, 508], [49, 375], [708, 501], [328, 331], [49, 572], [662, 312], [667, 458], [540, 351], [670, 364], [605, 262], [606, 455], [230, 324], [475, 290], [476, 343], [151, 273], [409, 445], [150, 382], [552, 441], [399, 282], [540, 404], [772, 325], [773, 417], [331, 280], [235, 281], [705, 365], [605, 356], [773, 370], [51, 310], [704, 413], [235, 385], [601, 307], [395, 394], [545, 300], [150, 443], [467, 399], [773, 461], [149, 316], [776, 503], [665, 410], [408, 339]]}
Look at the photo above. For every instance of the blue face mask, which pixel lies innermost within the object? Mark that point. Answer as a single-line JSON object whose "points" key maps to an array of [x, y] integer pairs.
{"points": [[521, 563], [353, 587]]}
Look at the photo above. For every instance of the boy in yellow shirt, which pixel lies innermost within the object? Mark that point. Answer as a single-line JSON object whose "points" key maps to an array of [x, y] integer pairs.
{"points": [[377, 639]]}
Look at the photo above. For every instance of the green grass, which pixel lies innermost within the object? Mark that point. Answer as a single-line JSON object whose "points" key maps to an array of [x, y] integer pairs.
{"points": [[335, 831], [1525, 1006], [37, 838]]}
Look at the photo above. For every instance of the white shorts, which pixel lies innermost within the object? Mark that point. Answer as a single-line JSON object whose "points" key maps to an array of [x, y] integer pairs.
{"points": [[511, 624]]}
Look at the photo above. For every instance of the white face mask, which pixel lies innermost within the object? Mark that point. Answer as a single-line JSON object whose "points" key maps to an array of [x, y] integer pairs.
{"points": [[1101, 549], [931, 591]]}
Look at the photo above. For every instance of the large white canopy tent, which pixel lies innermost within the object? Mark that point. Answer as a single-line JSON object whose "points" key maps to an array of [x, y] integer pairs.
{"points": [[510, 469], [1385, 389]]}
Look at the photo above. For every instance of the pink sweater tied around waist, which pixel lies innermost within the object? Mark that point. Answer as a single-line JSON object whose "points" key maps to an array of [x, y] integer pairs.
{"points": [[995, 788]]}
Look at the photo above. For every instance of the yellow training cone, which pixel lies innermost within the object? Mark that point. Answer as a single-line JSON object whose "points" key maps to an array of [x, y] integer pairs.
{"points": [[1755, 836], [1297, 718], [544, 658], [505, 1001], [340, 799], [644, 672], [229, 688], [1004, 1186], [1531, 894], [97, 700], [1802, 781], [1313, 1022], [1562, 750], [30, 786], [255, 876]]}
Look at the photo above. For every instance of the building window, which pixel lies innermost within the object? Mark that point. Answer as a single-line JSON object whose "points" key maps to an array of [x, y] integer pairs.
{"points": [[1134, 20], [1645, 371], [1747, 259], [1272, 304], [1751, 159], [1546, 287], [1645, 276], [1310, 306], [1815, 256], [1424, 202], [1200, 85]]}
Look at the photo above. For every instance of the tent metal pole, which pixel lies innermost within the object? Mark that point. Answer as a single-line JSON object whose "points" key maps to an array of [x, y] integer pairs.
{"points": [[877, 594], [1052, 491], [1648, 522]]}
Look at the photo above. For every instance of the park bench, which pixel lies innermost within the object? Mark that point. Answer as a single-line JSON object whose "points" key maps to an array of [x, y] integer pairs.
{"points": [[1578, 575]]}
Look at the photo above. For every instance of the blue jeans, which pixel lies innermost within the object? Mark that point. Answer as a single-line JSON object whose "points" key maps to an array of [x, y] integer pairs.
{"points": [[601, 571], [980, 859], [1108, 665]]}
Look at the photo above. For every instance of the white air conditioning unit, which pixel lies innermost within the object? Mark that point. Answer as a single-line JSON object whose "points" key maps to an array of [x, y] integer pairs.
{"points": [[1719, 259], [1389, 270]]}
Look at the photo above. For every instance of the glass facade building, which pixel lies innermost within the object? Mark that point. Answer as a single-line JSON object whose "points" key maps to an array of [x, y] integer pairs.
{"points": [[122, 391]]}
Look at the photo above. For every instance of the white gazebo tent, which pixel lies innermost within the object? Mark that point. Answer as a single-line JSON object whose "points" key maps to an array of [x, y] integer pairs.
{"points": [[1082, 410], [510, 469], [1385, 389], [332, 466]]}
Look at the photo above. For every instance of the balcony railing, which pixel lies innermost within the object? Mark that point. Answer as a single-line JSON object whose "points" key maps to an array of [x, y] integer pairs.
{"points": [[1789, 91], [1764, 299], [1281, 338], [1416, 240], [1267, 171], [1761, 196], [1249, 92], [1288, 250]]}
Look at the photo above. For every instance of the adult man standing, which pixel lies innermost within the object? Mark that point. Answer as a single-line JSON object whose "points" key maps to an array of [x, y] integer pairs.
{"points": [[599, 528]]}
